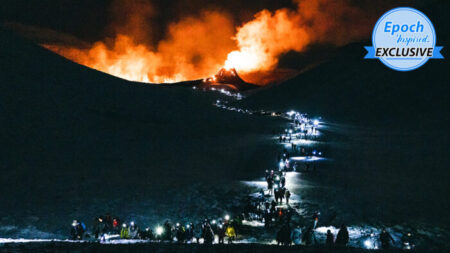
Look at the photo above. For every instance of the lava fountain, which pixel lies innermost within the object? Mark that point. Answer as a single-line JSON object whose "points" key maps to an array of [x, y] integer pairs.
{"points": [[197, 47]]}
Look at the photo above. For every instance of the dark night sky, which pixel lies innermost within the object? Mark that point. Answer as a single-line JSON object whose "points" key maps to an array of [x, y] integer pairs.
{"points": [[88, 19]]}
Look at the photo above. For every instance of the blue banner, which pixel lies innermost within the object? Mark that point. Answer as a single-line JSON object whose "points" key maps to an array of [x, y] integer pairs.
{"points": [[436, 53]]}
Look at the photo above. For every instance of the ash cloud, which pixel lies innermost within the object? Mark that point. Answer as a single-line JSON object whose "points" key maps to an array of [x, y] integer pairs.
{"points": [[196, 44]]}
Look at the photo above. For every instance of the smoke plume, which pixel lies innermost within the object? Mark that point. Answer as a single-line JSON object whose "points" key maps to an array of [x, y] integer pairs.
{"points": [[198, 46]]}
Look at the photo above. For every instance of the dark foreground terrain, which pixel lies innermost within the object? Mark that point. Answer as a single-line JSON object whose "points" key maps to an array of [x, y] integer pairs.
{"points": [[161, 247]]}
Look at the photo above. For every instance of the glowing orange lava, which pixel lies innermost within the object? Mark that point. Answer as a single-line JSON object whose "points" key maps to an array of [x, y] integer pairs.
{"points": [[197, 47]]}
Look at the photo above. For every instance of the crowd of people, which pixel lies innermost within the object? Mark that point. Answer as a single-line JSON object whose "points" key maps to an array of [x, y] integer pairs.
{"points": [[206, 232], [272, 207], [304, 129]]}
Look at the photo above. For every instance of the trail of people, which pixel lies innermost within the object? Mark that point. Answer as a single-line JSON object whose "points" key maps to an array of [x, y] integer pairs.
{"points": [[274, 213]]}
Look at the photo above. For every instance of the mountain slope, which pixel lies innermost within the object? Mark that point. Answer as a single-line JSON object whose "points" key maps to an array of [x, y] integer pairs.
{"points": [[349, 88], [77, 142]]}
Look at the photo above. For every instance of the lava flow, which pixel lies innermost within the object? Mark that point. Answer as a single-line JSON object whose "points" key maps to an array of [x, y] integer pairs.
{"points": [[198, 46]]}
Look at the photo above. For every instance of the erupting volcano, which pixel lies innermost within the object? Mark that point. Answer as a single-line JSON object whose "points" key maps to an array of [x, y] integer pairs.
{"points": [[195, 47]]}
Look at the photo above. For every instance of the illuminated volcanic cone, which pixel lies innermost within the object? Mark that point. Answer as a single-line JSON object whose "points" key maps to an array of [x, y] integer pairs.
{"points": [[230, 78]]}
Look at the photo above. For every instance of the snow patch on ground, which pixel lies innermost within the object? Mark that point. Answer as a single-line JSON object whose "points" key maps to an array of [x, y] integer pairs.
{"points": [[253, 223]]}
